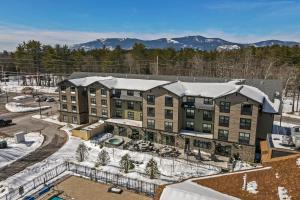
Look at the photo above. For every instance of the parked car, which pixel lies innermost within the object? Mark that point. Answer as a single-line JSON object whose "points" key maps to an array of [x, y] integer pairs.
{"points": [[50, 99], [40, 98], [5, 122]]}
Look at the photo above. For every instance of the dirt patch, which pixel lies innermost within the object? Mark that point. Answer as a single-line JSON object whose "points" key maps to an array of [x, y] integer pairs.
{"points": [[80, 188]]}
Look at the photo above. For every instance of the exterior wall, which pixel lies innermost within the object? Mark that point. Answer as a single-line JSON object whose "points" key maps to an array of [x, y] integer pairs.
{"points": [[99, 106], [86, 135], [80, 103], [137, 109], [235, 115], [264, 125], [160, 94]]}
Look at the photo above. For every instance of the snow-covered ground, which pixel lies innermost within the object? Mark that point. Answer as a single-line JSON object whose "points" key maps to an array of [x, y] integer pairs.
{"points": [[13, 86], [252, 187], [298, 162], [283, 194], [17, 150], [17, 98], [242, 165], [287, 108], [19, 107], [52, 119]]}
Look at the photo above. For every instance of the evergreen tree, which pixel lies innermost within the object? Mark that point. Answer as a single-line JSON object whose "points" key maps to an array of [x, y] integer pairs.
{"points": [[151, 169], [81, 152], [103, 158], [126, 163]]}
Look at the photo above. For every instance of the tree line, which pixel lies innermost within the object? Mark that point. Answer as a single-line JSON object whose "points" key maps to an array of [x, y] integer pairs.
{"points": [[275, 62]]}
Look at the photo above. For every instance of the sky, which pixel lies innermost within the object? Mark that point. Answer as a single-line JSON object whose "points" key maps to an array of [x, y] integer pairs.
{"points": [[75, 21]]}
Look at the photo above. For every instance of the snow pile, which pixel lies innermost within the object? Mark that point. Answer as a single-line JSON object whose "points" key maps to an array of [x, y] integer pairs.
{"points": [[298, 162], [13, 86], [17, 98], [252, 187], [283, 194], [241, 165], [19, 107], [16, 151], [277, 175]]}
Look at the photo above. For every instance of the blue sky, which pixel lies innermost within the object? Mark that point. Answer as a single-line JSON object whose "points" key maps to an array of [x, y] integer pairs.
{"points": [[73, 21]]}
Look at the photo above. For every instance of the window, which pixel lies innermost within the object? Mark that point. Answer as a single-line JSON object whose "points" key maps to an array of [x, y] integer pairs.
{"points": [[244, 138], [190, 113], [117, 93], [119, 113], [150, 99], [63, 88], [73, 99], [169, 101], [151, 123], [74, 109], [64, 98], [208, 101], [206, 128], [245, 124], [224, 107], [224, 121], [64, 107], [150, 136], [130, 105], [141, 116], [130, 92], [103, 92], [93, 111], [223, 134], [190, 99], [207, 115], [118, 103], [168, 114], [104, 113], [168, 126], [103, 102], [189, 125], [202, 144], [130, 115], [93, 101], [65, 118], [74, 119], [150, 112], [92, 91], [72, 89], [246, 109]]}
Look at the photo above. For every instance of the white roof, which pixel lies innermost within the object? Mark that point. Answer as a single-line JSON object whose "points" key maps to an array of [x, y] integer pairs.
{"points": [[192, 191], [196, 134], [88, 80], [127, 122]]}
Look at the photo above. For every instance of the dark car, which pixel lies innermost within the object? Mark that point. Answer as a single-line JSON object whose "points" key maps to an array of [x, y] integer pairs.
{"points": [[5, 122], [40, 98], [50, 99]]}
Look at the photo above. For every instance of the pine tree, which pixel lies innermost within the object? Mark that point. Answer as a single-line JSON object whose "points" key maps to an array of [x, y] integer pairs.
{"points": [[126, 163], [103, 158], [151, 169], [81, 152]]}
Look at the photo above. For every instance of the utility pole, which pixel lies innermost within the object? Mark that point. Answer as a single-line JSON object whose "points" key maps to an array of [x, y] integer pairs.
{"points": [[156, 65]]}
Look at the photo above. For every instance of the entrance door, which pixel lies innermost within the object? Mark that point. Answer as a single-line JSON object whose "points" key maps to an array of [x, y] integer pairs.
{"points": [[187, 144], [169, 140]]}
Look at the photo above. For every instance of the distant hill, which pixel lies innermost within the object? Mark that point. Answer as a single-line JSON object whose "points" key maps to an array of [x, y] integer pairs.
{"points": [[195, 42]]}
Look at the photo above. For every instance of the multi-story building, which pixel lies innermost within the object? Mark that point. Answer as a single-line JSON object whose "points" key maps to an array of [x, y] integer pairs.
{"points": [[225, 119]]}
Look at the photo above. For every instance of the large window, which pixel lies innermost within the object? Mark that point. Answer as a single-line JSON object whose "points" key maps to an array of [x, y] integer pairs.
{"points": [[150, 112], [130, 105], [117, 93], [223, 134], [74, 108], [103, 92], [93, 111], [73, 99], [246, 109], [64, 107], [73, 89], [64, 98], [244, 138], [119, 113], [130, 92], [130, 115], [169, 101], [190, 113], [93, 101], [104, 113], [202, 144], [151, 123], [150, 136], [63, 88], [190, 125], [245, 124], [207, 115], [168, 114], [224, 121], [118, 103], [206, 128], [150, 99], [190, 99], [103, 102], [208, 101], [168, 126], [92, 91], [224, 107]]}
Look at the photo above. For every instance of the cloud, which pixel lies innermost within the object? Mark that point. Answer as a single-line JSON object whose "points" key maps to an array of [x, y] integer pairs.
{"points": [[12, 35]]}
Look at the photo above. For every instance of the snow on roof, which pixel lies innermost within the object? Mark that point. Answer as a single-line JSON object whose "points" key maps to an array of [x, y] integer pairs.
{"points": [[127, 122], [196, 134], [89, 80], [192, 191], [93, 126]]}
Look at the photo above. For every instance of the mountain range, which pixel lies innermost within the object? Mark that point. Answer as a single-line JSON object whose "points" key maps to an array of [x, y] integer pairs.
{"points": [[195, 42]]}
